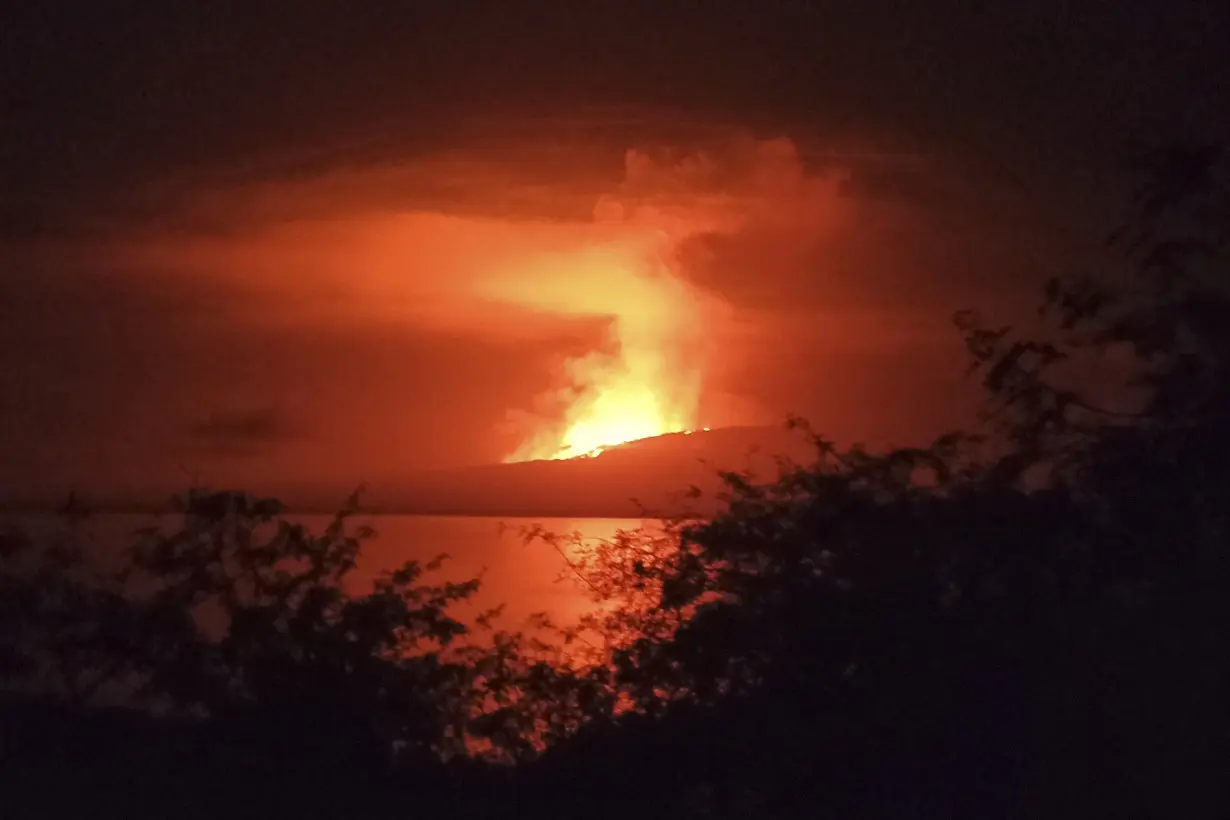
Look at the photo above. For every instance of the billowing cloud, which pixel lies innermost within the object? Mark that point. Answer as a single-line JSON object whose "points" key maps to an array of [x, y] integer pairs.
{"points": [[337, 250], [475, 305]]}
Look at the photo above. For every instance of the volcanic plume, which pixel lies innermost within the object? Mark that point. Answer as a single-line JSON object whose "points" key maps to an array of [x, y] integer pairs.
{"points": [[646, 378], [595, 305]]}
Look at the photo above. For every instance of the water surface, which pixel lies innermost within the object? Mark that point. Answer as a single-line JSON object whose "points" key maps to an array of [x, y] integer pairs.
{"points": [[524, 577]]}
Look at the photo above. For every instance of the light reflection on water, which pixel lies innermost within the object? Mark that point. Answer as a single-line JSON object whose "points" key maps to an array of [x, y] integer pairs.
{"points": [[524, 577]]}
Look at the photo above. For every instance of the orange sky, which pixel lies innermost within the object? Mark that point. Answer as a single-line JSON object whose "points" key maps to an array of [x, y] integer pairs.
{"points": [[340, 328], [337, 246]]}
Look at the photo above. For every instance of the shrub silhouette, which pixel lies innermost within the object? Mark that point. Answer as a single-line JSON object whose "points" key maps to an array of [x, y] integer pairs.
{"points": [[1025, 621], [236, 626]]}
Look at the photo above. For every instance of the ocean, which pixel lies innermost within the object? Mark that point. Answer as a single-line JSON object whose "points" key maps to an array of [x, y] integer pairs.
{"points": [[526, 578]]}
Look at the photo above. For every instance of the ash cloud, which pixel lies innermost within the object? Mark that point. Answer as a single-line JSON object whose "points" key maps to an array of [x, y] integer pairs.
{"points": [[457, 307]]}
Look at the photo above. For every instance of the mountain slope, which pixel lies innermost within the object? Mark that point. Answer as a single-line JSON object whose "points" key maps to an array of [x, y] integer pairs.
{"points": [[651, 475]]}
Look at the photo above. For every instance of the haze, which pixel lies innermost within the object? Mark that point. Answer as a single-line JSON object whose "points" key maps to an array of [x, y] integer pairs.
{"points": [[276, 268]]}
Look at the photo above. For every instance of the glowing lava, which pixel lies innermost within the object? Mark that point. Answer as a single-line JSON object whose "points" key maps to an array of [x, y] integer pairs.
{"points": [[644, 378], [616, 415], [611, 400]]}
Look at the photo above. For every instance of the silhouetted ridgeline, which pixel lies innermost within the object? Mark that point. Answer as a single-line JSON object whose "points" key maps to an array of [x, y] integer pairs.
{"points": [[623, 482], [1025, 621]]}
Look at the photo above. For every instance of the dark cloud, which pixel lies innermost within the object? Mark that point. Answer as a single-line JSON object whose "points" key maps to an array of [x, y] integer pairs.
{"points": [[251, 432], [908, 181], [98, 96]]}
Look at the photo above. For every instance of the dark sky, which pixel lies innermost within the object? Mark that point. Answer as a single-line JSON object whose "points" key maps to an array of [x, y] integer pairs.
{"points": [[254, 240]]}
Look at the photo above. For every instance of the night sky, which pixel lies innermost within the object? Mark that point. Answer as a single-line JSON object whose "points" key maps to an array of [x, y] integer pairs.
{"points": [[311, 242]]}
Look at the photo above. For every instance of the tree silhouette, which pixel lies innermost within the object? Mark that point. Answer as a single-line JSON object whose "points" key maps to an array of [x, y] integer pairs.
{"points": [[1026, 621], [237, 624]]}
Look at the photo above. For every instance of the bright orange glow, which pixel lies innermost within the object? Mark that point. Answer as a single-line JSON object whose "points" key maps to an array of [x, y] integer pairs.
{"points": [[623, 398], [619, 413], [619, 320], [644, 379]]}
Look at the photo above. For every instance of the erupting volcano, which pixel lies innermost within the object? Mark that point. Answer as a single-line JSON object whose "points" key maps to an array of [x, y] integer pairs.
{"points": [[619, 401], [645, 378], [621, 413]]}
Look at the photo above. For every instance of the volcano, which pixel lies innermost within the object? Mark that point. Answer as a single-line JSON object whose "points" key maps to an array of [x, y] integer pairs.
{"points": [[642, 478], [646, 478]]}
